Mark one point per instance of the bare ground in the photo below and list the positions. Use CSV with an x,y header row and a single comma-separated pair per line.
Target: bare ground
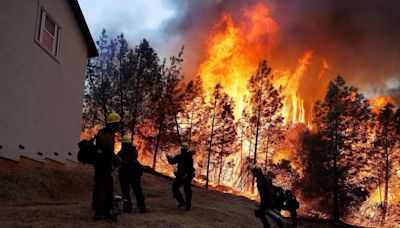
x,y
52,198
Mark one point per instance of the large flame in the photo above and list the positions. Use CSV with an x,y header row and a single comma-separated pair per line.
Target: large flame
x,y
233,52
293,109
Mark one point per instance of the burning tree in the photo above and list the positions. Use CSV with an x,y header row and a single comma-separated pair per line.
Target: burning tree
x,y
193,120
222,125
225,136
341,123
264,119
386,156
165,108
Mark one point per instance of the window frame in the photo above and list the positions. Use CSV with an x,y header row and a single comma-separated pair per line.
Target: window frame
x,y
40,29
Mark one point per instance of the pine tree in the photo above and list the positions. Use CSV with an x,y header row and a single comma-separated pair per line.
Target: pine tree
x,y
265,119
99,87
194,118
341,123
165,105
385,155
225,136
216,96
143,75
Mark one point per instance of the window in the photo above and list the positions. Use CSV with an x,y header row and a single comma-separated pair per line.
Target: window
x,y
48,34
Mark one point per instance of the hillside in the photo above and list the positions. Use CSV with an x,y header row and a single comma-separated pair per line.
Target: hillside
x,y
52,198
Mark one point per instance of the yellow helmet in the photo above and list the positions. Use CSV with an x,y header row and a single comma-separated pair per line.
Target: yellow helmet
x,y
184,146
126,139
113,118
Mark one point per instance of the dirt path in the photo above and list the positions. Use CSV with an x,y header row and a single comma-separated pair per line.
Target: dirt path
x,y
57,204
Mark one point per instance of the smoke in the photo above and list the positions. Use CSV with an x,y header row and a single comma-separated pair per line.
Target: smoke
x,y
194,22
358,38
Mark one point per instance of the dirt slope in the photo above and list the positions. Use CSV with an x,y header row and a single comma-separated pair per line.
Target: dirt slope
x,y
52,198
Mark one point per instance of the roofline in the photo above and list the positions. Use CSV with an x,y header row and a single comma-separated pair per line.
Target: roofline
x,y
92,49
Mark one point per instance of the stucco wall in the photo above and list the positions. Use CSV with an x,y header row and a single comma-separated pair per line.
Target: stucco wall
x,y
40,98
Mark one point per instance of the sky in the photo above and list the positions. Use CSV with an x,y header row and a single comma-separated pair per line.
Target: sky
x,y
137,19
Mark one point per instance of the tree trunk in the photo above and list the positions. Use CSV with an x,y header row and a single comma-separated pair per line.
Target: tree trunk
x,y
387,178
221,165
222,153
121,96
191,125
176,120
210,145
336,214
266,153
257,133
160,128
135,114
335,150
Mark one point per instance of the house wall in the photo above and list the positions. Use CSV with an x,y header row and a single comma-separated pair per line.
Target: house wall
x,y
40,97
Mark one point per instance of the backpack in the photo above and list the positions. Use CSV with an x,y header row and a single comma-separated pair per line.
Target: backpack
x,y
87,151
292,202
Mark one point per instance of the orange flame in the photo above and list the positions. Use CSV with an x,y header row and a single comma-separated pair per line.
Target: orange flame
x,y
377,103
293,109
235,51
233,54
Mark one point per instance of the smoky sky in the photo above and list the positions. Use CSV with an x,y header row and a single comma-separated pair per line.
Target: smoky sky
x,y
359,38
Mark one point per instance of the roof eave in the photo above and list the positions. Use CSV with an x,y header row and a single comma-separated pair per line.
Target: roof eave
x,y
92,49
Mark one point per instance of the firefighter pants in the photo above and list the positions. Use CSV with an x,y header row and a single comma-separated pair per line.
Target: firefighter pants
x,y
187,186
131,180
103,190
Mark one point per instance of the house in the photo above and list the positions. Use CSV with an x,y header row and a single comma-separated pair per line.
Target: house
x,y
44,47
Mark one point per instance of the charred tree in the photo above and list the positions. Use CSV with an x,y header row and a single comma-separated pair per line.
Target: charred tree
x,y
216,96
264,116
225,135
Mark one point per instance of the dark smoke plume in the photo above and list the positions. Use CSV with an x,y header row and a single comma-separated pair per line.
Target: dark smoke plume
x,y
359,38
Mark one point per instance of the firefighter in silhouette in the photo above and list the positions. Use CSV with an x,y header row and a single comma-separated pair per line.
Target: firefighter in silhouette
x,y
279,198
267,196
183,176
130,173
291,204
103,189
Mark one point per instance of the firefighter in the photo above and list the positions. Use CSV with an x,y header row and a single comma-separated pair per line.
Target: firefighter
x,y
130,173
267,195
183,176
279,198
291,204
102,200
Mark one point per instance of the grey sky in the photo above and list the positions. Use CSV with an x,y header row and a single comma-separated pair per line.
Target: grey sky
x,y
137,19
